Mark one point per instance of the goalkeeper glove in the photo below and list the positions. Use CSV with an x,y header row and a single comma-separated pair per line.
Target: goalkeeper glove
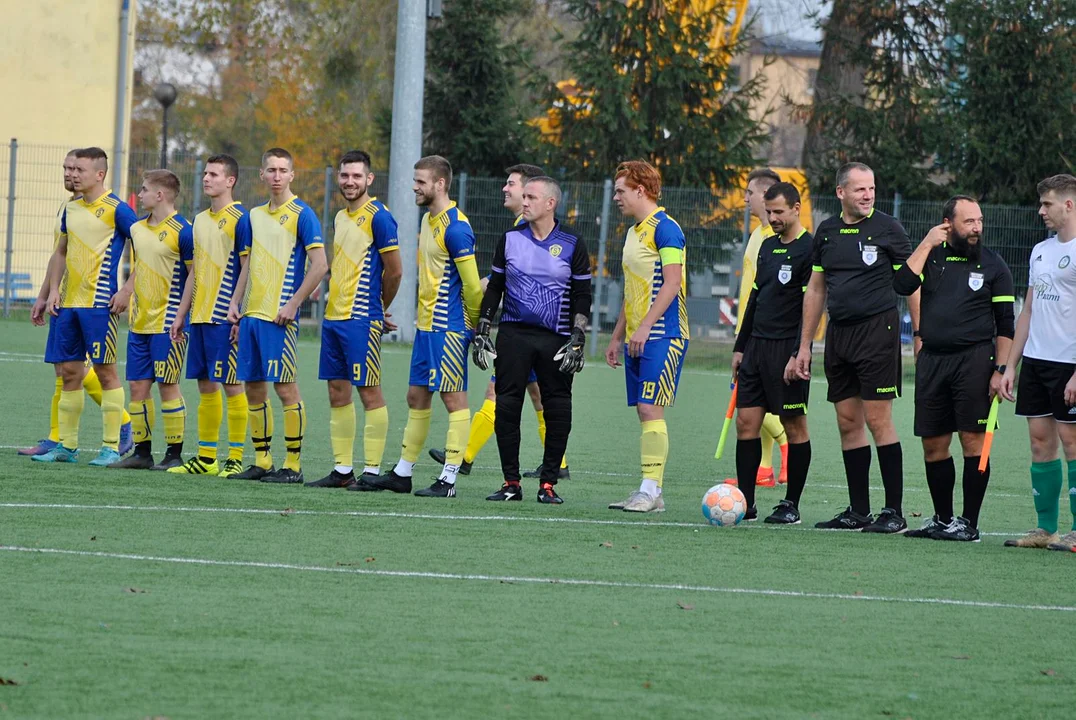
x,y
571,354
482,352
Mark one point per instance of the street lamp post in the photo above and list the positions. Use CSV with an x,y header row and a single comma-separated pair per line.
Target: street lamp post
x,y
165,93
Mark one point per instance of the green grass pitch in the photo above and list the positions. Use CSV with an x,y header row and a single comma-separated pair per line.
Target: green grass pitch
x,y
198,598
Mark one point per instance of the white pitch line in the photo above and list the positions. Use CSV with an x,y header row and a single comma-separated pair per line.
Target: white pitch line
x,y
405,516
765,592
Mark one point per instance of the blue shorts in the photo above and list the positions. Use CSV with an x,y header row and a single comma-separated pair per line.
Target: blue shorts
x,y
78,333
652,378
212,355
439,360
351,350
267,351
155,357
531,378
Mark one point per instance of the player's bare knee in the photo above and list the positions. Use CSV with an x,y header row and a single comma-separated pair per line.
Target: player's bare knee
x,y
231,390
372,398
971,443
748,423
339,393
256,392
205,387
168,391
796,429
454,401
649,413
72,374
288,392
419,398
936,448
107,375
1067,431
140,390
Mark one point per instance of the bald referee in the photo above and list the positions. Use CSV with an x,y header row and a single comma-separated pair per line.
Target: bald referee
x,y
543,275
856,254
966,306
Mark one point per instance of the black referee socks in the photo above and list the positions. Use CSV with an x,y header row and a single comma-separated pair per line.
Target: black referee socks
x,y
891,462
748,458
941,479
799,461
857,470
974,485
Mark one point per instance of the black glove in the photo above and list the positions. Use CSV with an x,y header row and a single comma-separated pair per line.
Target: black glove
x,y
482,351
571,355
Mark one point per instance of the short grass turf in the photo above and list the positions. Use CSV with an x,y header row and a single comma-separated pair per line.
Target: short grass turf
x,y
338,604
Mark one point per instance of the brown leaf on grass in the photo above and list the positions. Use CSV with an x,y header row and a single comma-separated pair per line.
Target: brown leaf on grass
x,y
538,678
370,559
287,512
682,606
646,684
135,591
634,547
1051,672
93,538
962,657
606,544
858,593
6,681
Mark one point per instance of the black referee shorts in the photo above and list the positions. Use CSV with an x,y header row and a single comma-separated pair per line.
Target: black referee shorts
x,y
761,380
863,360
1041,390
952,390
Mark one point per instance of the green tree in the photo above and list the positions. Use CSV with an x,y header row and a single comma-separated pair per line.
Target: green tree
x,y
1011,99
472,78
649,81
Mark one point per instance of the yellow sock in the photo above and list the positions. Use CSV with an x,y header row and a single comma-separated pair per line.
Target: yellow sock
x,y
654,444
294,427
54,412
261,434
92,385
342,433
772,431
238,414
174,415
112,402
481,430
142,420
541,435
210,414
374,436
69,413
415,432
457,436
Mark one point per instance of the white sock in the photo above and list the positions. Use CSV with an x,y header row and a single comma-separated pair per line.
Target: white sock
x,y
371,470
404,468
343,469
449,474
650,487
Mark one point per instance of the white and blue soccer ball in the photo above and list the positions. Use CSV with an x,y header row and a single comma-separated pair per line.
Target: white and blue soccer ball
x,y
724,505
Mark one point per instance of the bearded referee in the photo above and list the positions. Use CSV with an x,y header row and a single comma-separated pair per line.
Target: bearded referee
x,y
966,303
543,275
856,254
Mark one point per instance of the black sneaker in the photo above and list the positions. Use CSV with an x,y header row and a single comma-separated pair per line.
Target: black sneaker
x,y
362,484
888,522
134,462
440,488
931,526
784,513
750,515
391,481
283,476
508,491
439,456
548,496
846,520
960,530
254,473
334,480
562,474
168,463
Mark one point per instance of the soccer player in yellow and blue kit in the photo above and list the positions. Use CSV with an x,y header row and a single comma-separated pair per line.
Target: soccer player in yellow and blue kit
x,y
213,356
449,298
365,276
162,250
275,240
37,317
85,301
653,321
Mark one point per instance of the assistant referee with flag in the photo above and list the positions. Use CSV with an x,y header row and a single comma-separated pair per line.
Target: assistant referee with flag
x,y
966,304
543,275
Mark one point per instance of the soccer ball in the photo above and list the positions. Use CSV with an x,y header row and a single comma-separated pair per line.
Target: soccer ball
x,y
723,505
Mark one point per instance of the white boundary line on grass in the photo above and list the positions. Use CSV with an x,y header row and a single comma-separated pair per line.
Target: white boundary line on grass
x,y
402,516
765,592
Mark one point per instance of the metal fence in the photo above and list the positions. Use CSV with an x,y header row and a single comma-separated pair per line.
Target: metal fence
x,y
33,194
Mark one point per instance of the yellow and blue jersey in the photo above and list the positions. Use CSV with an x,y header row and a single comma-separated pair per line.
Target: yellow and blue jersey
x,y
650,245
95,236
359,240
216,263
442,240
162,255
276,242
750,266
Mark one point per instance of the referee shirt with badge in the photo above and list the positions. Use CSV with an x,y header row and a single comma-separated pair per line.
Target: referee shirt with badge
x,y
964,302
858,261
781,276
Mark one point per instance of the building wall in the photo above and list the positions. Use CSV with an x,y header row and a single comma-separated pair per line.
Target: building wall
x,y
789,76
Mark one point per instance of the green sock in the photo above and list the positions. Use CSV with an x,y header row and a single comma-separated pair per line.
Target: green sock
x,y
1046,487
1072,492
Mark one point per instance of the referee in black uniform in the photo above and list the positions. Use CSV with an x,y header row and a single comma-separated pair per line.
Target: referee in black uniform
x,y
855,257
765,347
543,274
967,304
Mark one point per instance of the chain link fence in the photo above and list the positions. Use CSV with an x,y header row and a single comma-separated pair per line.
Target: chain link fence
x,y
32,193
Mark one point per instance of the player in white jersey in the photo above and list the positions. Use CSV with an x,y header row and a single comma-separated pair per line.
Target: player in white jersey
x,y
1046,342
